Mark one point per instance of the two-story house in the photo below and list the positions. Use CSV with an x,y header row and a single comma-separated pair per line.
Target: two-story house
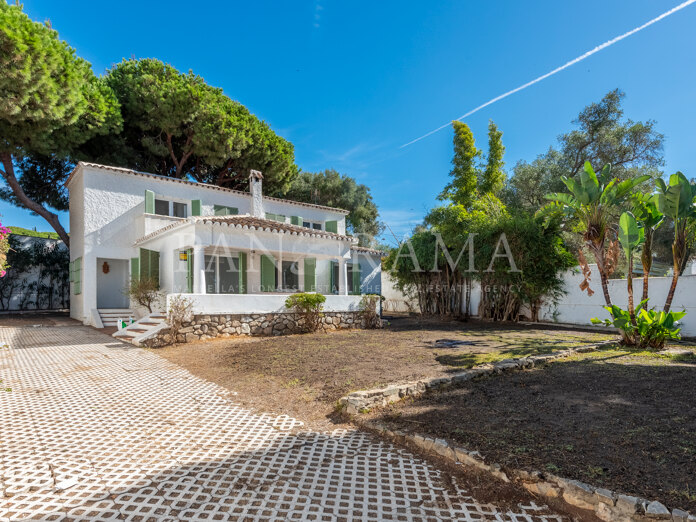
x,y
231,251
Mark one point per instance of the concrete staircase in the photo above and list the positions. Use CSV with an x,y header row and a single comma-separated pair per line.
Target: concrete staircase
x,y
142,329
110,316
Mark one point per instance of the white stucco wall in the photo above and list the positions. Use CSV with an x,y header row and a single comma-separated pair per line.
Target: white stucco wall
x,y
576,307
257,304
107,217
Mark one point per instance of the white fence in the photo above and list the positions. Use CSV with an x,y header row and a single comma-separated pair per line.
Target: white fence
x,y
260,303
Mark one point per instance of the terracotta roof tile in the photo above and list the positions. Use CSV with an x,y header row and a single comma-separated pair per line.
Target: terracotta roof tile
x,y
245,221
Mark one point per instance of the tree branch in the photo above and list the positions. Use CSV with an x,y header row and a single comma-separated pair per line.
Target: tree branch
x,y
9,176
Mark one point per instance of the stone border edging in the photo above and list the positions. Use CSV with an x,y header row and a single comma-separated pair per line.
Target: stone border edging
x,y
357,402
605,504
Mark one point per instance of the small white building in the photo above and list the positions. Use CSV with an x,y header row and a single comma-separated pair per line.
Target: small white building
x,y
232,252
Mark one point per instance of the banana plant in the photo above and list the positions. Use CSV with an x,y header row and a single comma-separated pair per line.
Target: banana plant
x,y
591,201
646,212
676,201
631,236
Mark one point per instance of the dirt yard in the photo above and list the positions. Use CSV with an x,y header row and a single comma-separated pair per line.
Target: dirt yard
x,y
304,375
624,421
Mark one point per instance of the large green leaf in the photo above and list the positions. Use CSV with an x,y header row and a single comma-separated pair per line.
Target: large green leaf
x,y
631,236
676,199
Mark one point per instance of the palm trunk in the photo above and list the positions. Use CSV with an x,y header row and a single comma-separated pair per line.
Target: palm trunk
x,y
678,252
629,282
646,259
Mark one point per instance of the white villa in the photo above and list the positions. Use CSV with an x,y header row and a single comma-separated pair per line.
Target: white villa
x,y
232,252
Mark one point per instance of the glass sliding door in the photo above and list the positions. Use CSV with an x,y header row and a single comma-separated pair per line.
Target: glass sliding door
x,y
221,275
228,270
291,276
211,275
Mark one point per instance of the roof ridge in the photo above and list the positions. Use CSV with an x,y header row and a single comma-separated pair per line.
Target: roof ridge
x,y
125,170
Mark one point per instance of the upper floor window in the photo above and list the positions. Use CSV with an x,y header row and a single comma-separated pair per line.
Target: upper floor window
x,y
310,224
164,207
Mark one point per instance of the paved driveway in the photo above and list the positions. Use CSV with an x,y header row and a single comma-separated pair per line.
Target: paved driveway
x,y
94,429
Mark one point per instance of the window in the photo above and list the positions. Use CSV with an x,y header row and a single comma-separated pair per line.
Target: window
x,y
162,207
228,268
179,209
211,275
221,275
309,224
221,210
291,276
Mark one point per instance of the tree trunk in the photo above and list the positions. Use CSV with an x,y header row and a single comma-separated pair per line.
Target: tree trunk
x,y
678,252
8,175
646,259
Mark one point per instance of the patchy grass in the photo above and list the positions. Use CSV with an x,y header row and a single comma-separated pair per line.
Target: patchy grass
x,y
615,418
307,373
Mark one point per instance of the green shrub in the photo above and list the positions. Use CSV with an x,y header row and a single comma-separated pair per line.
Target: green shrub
x,y
309,306
651,328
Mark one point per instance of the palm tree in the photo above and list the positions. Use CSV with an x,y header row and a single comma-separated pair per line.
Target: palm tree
x,y
676,201
591,202
647,213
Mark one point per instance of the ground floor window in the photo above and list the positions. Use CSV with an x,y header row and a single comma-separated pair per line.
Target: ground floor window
x,y
221,274
290,276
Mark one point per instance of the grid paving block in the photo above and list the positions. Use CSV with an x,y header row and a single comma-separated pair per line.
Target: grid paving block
x,y
98,430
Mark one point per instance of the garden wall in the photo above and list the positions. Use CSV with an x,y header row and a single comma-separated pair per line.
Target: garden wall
x,y
576,307
204,327
37,277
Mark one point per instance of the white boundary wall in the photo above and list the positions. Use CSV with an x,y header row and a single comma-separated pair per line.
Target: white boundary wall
x,y
576,307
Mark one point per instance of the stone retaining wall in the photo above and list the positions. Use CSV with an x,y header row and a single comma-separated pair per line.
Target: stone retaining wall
x,y
279,323
603,503
360,401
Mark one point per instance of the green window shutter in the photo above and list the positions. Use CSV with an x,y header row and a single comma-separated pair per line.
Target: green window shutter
x,y
189,271
268,274
149,202
310,274
296,220
195,207
154,266
71,267
280,217
331,226
242,273
356,279
135,268
77,278
332,279
270,216
144,264
149,264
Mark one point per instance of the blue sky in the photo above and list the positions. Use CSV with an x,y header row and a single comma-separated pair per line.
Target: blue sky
x,y
349,82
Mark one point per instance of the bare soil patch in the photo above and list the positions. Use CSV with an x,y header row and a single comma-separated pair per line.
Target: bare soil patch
x,y
304,375
624,421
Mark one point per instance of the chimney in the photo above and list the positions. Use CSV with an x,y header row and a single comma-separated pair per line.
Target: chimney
x,y
255,184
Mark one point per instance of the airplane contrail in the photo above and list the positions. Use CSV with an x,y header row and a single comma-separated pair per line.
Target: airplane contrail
x,y
558,69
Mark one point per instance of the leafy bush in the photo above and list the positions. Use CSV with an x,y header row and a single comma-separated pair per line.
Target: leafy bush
x,y
145,292
309,306
649,328
368,310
